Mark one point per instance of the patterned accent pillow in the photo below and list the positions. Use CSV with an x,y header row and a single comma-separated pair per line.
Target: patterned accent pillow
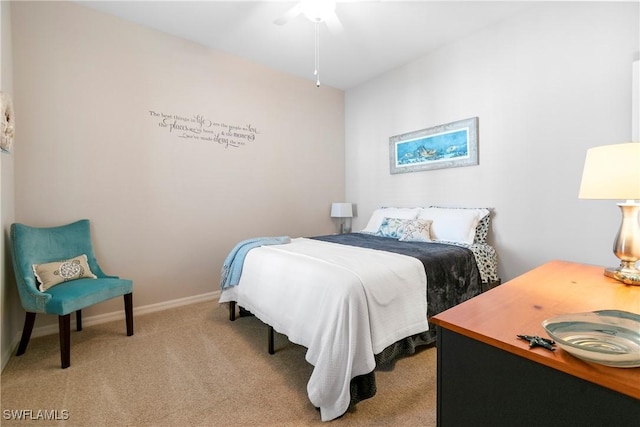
x,y
389,212
482,229
54,273
417,230
392,227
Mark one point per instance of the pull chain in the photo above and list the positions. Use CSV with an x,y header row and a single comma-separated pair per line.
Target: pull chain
x,y
317,53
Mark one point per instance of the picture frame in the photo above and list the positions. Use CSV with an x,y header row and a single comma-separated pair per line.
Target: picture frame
x,y
449,145
7,123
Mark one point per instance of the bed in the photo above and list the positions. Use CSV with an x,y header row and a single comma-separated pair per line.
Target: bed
x,y
360,300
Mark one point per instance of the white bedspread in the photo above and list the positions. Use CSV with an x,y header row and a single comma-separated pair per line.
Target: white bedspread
x,y
343,303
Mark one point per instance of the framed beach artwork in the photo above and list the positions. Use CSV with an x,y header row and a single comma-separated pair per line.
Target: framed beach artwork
x,y
445,146
7,123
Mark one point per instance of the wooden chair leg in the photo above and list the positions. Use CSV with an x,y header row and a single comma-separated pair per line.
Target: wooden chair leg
x,y
271,346
64,325
78,320
29,320
128,312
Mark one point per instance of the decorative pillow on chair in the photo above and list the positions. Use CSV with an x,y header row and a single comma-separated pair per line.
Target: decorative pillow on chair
x,y
417,230
54,273
392,227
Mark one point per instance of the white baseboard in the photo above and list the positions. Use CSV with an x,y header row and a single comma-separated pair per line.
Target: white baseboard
x,y
108,317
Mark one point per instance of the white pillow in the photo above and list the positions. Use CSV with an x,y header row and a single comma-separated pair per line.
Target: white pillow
x,y
379,214
453,225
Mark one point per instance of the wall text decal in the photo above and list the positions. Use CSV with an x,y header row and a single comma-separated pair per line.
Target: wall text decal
x,y
199,128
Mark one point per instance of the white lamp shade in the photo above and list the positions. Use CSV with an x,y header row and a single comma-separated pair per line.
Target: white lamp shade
x,y
612,172
341,210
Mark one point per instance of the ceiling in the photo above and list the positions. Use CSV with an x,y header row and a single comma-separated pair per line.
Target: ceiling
x,y
376,36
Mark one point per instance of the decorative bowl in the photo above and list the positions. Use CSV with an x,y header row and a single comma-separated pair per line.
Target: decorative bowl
x,y
607,337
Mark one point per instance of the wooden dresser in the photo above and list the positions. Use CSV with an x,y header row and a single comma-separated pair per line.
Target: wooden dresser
x,y
489,377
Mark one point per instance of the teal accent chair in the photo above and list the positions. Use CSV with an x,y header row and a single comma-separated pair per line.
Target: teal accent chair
x,y
33,245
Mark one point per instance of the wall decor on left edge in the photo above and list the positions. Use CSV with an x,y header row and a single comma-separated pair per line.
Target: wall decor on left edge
x,y
7,123
449,145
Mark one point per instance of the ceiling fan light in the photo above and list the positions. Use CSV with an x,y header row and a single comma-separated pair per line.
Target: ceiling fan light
x,y
318,10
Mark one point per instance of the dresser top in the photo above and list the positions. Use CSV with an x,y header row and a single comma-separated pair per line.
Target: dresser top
x,y
519,306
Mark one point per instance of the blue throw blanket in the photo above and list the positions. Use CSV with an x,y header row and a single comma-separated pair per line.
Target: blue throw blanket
x,y
232,267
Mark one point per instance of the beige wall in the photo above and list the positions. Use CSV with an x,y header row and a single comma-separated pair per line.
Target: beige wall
x,y
165,209
546,85
9,317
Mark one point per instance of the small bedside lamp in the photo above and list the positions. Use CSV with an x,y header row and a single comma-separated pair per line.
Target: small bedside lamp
x,y
342,211
613,172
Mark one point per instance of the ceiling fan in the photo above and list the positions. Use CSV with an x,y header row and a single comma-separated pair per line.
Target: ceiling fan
x,y
317,11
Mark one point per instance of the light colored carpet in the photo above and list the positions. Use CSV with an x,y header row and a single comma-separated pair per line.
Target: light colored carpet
x,y
191,366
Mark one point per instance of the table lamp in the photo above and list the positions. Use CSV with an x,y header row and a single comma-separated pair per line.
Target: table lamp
x,y
613,172
342,211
